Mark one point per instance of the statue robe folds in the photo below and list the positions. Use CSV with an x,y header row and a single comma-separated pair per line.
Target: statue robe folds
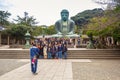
x,y
64,28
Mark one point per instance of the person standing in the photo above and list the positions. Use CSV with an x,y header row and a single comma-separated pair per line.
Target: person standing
x,y
45,52
49,51
41,51
34,51
60,50
53,51
65,51
56,50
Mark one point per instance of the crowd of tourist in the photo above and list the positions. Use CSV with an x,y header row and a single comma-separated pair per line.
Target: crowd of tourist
x,y
52,48
49,48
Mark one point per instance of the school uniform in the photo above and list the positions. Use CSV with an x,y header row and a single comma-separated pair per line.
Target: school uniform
x,y
49,53
56,51
53,52
60,52
34,51
65,52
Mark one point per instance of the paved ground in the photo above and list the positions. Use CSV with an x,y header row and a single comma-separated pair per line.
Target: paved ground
x,y
7,65
97,70
72,69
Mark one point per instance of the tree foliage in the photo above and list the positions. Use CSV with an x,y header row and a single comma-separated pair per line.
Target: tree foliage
x,y
107,25
51,30
40,30
37,31
18,31
4,15
83,18
26,20
111,4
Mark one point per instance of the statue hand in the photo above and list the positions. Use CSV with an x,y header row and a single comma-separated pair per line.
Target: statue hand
x,y
70,33
59,33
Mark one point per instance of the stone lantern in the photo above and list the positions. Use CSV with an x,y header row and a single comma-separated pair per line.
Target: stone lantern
x,y
27,38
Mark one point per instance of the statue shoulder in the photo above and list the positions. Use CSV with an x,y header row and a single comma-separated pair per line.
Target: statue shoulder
x,y
58,21
71,21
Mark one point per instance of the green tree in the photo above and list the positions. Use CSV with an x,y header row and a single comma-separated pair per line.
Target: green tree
x,y
46,31
37,31
18,31
107,25
111,4
4,15
26,20
83,18
51,30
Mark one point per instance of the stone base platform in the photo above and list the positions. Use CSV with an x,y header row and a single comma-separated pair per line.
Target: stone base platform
x,y
73,53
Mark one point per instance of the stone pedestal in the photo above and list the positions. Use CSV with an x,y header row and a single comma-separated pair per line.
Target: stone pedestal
x,y
68,36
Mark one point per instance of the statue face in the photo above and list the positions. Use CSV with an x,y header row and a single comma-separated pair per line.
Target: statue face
x,y
64,15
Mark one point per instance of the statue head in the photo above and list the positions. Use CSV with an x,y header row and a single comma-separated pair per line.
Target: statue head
x,y
64,14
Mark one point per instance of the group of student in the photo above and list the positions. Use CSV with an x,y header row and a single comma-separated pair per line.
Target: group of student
x,y
47,49
55,50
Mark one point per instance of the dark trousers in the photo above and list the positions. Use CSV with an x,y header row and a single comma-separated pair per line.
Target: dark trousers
x,y
60,54
34,66
65,55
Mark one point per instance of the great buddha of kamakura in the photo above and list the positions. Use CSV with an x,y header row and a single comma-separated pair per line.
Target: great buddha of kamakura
x,y
65,26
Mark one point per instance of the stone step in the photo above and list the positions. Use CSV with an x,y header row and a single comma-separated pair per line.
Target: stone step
x,y
14,57
93,53
83,51
72,53
93,57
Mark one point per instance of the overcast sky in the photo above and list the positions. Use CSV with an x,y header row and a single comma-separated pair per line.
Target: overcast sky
x,y
47,12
